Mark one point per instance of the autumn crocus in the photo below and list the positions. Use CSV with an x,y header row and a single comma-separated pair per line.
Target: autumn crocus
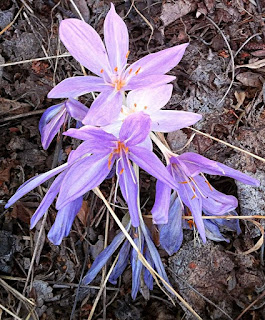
x,y
195,191
144,242
109,63
54,117
106,149
64,217
150,101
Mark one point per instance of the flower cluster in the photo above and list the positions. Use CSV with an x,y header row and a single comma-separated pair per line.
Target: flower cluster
x,y
117,131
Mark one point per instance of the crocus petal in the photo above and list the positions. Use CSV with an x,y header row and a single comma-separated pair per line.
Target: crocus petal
x,y
121,263
105,109
116,39
135,128
150,81
149,100
51,128
172,120
237,175
47,200
103,257
171,233
33,183
77,86
64,220
228,224
85,45
149,162
148,278
89,133
162,202
83,176
160,62
146,144
136,268
76,109
129,188
48,114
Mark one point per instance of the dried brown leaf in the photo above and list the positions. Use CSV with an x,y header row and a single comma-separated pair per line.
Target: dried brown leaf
x,y
173,11
249,79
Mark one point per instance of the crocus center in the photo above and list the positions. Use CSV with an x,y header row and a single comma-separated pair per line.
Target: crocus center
x,y
120,146
118,84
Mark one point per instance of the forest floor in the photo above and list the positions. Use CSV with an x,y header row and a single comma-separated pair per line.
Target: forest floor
x,y
221,77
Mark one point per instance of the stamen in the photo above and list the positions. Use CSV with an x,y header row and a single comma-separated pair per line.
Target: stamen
x,y
130,71
209,185
137,71
101,71
121,172
183,182
135,105
127,54
145,107
116,69
126,150
193,197
109,160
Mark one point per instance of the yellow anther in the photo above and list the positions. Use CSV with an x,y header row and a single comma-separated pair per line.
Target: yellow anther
x,y
209,185
116,69
145,107
135,105
101,71
183,182
121,172
193,197
130,71
127,54
137,71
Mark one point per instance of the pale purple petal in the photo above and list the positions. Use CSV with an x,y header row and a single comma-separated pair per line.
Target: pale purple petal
x,y
135,128
103,257
213,232
147,144
89,133
116,39
76,109
121,263
160,62
162,202
64,220
83,176
226,224
85,45
105,109
172,120
47,200
149,162
129,188
152,81
136,267
49,130
50,113
149,100
171,233
33,183
148,278
77,86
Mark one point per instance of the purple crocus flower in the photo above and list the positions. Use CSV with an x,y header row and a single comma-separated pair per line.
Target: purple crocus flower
x,y
109,63
150,101
194,189
146,246
65,216
54,117
171,233
90,171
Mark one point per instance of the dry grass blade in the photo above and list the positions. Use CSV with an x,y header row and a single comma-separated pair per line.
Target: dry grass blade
x,y
11,23
141,257
250,306
9,312
255,65
103,285
77,10
228,144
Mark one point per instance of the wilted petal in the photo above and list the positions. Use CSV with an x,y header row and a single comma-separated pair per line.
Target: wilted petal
x,y
149,100
160,62
103,257
105,109
171,234
83,176
50,113
150,81
135,128
76,109
33,183
172,120
64,220
121,263
52,127
85,45
148,278
228,224
77,86
129,188
116,39
149,162
162,202
47,200
213,232
136,268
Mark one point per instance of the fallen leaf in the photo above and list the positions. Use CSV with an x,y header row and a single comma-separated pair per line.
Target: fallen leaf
x,y
240,97
173,11
83,213
250,79
254,65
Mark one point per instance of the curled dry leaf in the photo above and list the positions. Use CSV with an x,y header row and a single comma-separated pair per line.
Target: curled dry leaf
x,y
254,65
250,79
240,97
261,240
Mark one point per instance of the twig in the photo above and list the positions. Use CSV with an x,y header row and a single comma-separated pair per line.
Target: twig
x,y
31,113
11,23
250,306
231,61
77,10
9,312
229,145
